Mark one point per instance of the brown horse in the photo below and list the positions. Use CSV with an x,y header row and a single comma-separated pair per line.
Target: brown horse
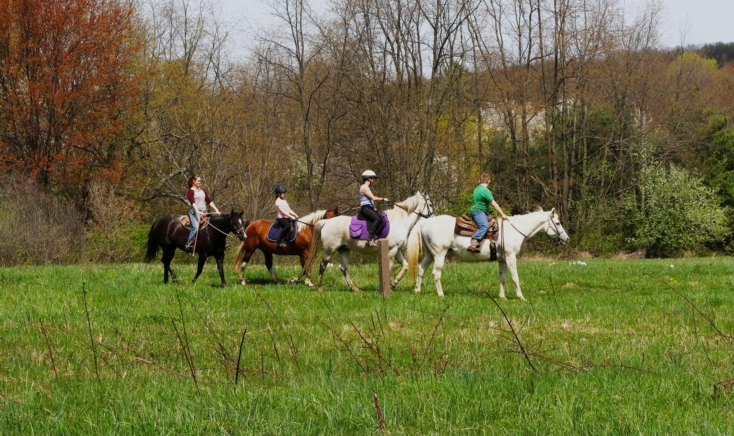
x,y
257,232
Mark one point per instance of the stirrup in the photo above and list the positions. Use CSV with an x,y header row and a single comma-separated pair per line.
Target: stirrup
x,y
371,243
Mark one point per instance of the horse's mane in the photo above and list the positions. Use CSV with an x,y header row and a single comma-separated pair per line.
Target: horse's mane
x,y
310,219
537,210
407,205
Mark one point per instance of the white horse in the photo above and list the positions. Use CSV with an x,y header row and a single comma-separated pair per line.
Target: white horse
x,y
334,234
437,235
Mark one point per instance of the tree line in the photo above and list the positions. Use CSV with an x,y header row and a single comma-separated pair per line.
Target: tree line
x,y
108,106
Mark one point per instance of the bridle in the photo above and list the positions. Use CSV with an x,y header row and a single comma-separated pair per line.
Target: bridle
x,y
557,237
426,204
239,232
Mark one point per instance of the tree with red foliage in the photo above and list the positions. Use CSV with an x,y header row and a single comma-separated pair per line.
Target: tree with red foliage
x,y
67,78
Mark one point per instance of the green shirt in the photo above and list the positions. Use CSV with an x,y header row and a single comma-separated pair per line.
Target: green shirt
x,y
482,199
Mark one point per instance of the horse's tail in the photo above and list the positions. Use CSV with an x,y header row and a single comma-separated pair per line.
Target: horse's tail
x,y
313,248
415,246
240,251
152,245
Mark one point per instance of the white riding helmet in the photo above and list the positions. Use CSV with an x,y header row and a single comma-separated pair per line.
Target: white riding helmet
x,y
368,174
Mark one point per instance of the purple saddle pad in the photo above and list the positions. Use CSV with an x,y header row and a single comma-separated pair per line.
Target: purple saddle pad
x,y
358,228
274,232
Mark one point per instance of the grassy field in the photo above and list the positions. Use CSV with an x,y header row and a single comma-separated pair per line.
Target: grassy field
x,y
609,347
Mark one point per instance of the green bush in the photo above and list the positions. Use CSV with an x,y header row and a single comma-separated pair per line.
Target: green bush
x,y
672,211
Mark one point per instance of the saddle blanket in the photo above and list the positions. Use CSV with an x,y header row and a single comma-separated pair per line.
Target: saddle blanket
x,y
274,232
358,228
184,220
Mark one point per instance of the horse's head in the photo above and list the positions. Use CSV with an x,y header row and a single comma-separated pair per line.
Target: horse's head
x,y
331,213
236,224
418,204
554,229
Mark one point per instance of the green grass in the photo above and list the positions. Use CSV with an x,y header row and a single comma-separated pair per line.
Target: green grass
x,y
611,347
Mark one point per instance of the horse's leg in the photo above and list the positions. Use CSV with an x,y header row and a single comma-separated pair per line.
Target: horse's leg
x,y
422,267
512,265
322,267
243,265
269,265
437,268
166,260
220,267
301,256
503,277
345,269
200,266
400,258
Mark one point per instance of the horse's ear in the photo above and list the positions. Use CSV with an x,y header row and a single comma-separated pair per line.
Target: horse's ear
x,y
553,210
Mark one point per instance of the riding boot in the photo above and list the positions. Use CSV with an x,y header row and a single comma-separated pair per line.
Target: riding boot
x,y
283,244
371,241
492,251
474,246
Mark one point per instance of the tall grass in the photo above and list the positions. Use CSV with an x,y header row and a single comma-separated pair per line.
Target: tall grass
x,y
610,347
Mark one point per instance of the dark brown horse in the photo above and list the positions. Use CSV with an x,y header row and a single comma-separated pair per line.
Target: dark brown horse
x,y
257,232
169,234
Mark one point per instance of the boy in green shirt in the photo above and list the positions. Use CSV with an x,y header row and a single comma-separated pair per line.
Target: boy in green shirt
x,y
482,199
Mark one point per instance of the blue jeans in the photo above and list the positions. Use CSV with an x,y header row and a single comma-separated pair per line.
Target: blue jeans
x,y
480,217
194,218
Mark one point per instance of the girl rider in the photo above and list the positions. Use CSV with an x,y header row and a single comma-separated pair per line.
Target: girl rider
x,y
367,207
285,215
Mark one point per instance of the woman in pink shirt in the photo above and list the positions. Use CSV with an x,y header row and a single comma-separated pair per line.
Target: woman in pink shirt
x,y
285,215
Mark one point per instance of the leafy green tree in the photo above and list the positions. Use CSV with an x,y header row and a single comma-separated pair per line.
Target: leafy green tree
x,y
672,211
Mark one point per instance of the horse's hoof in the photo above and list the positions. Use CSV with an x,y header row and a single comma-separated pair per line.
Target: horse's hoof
x,y
393,285
308,283
293,280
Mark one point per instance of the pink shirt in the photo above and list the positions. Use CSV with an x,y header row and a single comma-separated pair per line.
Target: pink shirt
x,y
284,211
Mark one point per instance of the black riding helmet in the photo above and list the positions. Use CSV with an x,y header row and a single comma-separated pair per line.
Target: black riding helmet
x,y
280,189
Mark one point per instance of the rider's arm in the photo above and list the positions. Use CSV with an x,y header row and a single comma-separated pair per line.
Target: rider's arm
x,y
498,209
209,202
368,192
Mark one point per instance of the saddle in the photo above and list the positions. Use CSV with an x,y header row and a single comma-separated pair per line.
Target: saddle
x,y
358,227
274,232
186,222
466,226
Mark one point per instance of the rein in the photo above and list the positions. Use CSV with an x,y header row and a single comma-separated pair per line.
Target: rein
x,y
420,214
220,231
556,240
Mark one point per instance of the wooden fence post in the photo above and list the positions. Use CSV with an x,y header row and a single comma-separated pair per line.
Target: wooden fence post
x,y
383,250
